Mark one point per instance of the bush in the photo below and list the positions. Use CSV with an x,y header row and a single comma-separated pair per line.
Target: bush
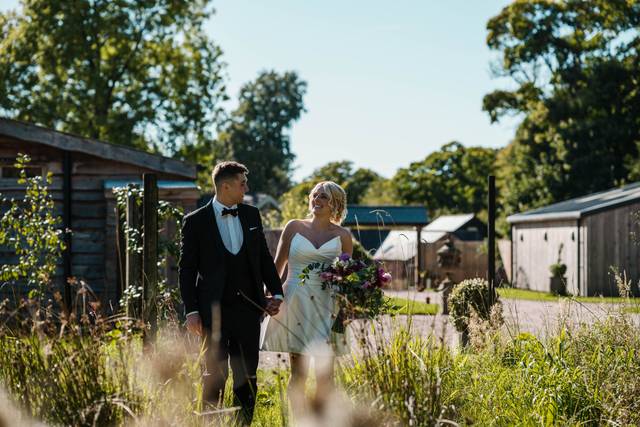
x,y
468,295
30,228
558,269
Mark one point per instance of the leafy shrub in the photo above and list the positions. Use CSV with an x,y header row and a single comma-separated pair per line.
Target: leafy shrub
x,y
468,295
31,229
558,269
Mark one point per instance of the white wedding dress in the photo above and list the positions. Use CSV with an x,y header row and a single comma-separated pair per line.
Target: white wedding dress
x,y
304,322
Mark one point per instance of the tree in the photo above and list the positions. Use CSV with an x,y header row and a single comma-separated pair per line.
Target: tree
x,y
138,73
381,192
451,180
576,67
355,183
255,134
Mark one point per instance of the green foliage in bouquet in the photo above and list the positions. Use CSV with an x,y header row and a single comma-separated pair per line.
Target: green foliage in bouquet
x,y
468,295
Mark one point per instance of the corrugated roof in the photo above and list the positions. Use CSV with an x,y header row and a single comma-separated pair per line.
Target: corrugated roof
x,y
581,206
449,223
386,215
401,245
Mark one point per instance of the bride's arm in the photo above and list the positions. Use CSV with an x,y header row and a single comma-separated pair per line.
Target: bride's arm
x,y
347,242
282,253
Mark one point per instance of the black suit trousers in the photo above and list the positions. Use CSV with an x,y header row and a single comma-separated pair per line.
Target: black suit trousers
x,y
236,345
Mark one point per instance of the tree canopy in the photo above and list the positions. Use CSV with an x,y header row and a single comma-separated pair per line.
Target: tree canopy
x,y
256,133
453,179
576,66
138,73
354,182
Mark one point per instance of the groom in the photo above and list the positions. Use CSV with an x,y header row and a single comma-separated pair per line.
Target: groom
x,y
224,263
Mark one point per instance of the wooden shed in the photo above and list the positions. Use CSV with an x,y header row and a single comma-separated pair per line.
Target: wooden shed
x,y
85,171
465,231
589,234
372,220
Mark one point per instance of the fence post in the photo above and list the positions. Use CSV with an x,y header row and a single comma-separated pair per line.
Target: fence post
x,y
133,262
491,231
150,253
121,246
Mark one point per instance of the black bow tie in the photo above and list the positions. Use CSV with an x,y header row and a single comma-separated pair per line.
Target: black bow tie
x,y
226,211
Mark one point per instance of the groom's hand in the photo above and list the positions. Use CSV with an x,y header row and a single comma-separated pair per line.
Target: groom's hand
x,y
273,306
194,324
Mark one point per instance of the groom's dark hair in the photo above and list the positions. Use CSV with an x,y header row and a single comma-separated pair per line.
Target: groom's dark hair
x,y
227,170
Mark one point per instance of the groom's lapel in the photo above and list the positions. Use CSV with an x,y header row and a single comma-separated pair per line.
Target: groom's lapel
x,y
212,229
244,221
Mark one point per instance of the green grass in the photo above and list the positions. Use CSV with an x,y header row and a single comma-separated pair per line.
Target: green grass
x,y
412,307
526,294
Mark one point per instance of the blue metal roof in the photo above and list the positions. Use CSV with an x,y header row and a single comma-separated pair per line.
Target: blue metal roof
x,y
113,183
386,216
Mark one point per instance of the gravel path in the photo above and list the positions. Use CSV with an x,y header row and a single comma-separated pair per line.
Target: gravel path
x,y
540,318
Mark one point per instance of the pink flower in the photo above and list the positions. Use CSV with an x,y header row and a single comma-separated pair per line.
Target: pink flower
x,y
326,276
386,277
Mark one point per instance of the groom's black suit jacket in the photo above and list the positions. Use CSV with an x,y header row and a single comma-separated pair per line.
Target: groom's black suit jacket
x,y
202,259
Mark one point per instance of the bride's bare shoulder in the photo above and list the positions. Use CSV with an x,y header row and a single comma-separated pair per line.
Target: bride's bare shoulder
x,y
343,232
291,227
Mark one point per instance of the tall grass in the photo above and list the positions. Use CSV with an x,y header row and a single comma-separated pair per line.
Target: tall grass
x,y
94,374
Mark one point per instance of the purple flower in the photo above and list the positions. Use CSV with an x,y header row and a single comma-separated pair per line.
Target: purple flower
x,y
366,285
386,277
345,257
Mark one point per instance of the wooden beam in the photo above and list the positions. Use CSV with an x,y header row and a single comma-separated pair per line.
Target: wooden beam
x,y
121,245
67,166
63,141
150,253
491,230
133,260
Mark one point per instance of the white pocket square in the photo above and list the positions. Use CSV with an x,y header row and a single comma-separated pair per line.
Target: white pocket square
x,y
253,228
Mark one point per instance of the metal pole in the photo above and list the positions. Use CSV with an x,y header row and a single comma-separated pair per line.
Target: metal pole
x,y
491,264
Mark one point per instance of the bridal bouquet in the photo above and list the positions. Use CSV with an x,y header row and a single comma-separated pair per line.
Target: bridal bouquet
x,y
356,285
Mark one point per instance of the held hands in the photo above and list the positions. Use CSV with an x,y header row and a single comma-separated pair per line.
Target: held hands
x,y
273,306
194,324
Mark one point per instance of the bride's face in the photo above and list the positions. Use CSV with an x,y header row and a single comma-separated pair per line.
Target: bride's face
x,y
319,203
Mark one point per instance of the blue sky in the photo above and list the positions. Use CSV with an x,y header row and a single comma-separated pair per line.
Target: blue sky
x,y
388,82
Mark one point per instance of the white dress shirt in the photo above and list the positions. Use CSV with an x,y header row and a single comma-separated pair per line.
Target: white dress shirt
x,y
229,226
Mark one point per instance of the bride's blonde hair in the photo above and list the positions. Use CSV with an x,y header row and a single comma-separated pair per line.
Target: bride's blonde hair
x,y
337,200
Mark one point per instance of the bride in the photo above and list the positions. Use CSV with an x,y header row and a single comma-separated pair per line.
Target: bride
x,y
302,328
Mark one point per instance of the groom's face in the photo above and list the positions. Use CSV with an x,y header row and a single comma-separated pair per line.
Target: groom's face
x,y
236,188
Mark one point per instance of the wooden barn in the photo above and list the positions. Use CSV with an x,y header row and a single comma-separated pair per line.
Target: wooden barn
x,y
589,234
465,231
85,171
